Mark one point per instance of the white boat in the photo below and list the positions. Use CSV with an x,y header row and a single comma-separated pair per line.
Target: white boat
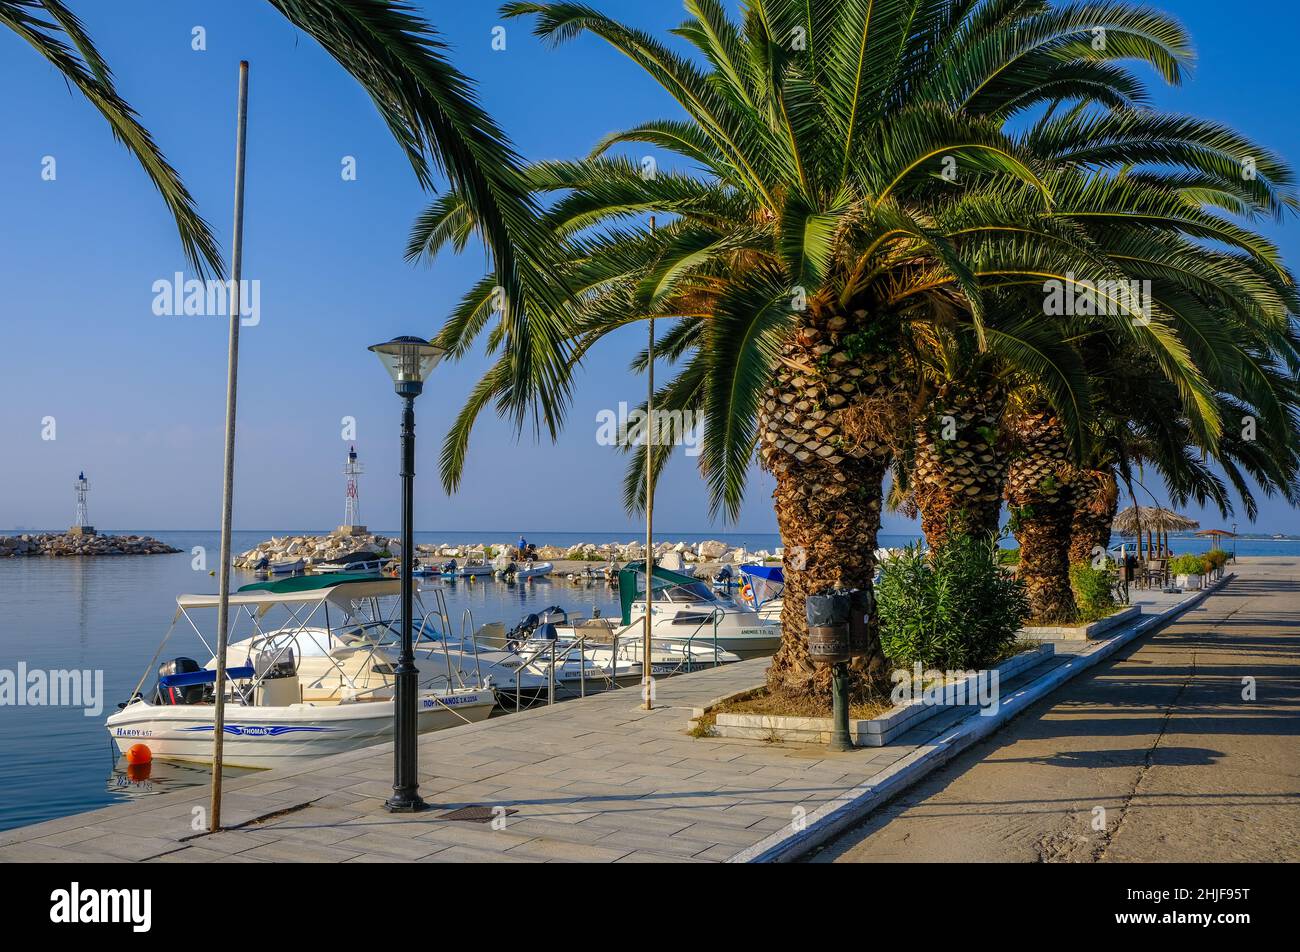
x,y
533,569
610,653
686,614
513,571
473,568
299,689
287,567
353,562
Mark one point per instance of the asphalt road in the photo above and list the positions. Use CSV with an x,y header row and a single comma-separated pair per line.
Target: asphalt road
x,y
1153,756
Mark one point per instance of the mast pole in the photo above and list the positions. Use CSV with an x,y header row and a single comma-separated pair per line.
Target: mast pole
x,y
227,492
647,670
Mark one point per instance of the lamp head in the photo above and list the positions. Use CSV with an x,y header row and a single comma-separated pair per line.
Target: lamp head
x,y
409,361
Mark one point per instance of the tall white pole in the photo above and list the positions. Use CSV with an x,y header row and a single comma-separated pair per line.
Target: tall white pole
x,y
227,492
646,667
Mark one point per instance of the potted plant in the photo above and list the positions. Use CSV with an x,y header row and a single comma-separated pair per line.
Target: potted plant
x,y
1187,571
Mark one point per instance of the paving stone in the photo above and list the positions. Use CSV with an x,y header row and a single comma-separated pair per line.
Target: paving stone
x,y
549,849
287,851
391,846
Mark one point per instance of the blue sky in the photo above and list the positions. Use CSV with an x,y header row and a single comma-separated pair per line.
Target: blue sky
x,y
138,398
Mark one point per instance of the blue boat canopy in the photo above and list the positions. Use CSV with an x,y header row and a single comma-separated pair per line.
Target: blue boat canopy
x,y
206,676
770,573
761,584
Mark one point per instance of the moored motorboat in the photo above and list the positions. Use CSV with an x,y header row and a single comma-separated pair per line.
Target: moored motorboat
x,y
295,690
353,562
686,613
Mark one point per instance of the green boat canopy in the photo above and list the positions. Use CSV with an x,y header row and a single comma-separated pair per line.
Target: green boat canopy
x,y
307,583
629,585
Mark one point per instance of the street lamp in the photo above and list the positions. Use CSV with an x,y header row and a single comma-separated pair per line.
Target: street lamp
x,y
408,360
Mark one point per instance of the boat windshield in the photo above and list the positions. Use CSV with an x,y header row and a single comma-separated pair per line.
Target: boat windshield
x,y
682,594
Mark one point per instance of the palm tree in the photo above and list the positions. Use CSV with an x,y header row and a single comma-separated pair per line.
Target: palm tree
x,y
1138,425
399,59
810,261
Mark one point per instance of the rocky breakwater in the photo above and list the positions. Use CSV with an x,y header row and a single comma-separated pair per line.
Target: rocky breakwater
x,y
313,549
316,548
710,552
60,545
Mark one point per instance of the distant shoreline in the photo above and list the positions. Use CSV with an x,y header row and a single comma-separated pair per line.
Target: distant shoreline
x,y
631,534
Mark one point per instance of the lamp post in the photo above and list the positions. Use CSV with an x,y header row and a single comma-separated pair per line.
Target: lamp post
x,y
408,360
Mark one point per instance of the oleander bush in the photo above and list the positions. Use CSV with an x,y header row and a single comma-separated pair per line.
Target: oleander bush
x,y
1094,590
952,608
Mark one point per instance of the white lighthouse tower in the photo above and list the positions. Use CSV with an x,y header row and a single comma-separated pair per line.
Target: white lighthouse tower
x,y
352,502
82,526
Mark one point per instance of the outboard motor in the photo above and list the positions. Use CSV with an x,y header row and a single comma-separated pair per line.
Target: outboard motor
x,y
449,566
188,694
723,578
521,632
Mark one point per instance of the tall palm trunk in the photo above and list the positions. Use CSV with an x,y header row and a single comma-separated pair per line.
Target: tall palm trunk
x,y
1094,514
960,471
829,453
1041,487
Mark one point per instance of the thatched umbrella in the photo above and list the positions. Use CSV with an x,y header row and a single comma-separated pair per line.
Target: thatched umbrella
x,y
1136,520
1218,535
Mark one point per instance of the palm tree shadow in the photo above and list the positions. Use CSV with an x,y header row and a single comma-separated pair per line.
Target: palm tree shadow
x,y
1131,757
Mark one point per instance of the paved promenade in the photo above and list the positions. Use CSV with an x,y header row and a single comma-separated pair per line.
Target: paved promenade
x,y
596,779
1155,756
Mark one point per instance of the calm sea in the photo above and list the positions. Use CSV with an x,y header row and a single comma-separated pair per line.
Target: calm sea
x,y
109,615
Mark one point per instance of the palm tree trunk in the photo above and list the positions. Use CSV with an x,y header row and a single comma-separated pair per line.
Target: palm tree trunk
x,y
1041,487
825,425
829,532
960,471
1094,514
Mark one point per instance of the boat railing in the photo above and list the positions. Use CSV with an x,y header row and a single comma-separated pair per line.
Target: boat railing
x,y
453,674
714,619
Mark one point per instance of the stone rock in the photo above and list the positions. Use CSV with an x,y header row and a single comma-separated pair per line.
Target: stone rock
x,y
711,549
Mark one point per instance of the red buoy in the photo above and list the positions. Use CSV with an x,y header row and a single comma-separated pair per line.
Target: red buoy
x,y
139,754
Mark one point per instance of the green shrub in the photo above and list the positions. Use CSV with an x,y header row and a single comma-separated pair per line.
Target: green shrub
x,y
952,608
1216,558
1187,565
1009,556
1093,590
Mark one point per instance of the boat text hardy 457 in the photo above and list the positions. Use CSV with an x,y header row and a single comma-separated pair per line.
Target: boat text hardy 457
x,y
313,675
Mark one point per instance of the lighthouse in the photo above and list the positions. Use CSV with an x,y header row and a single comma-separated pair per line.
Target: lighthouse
x,y
82,526
351,502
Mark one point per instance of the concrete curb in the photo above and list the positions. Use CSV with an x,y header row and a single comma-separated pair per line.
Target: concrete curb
x,y
787,844
867,732
1081,633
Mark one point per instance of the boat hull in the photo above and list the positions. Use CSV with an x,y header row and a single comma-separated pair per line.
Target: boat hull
x,y
273,736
